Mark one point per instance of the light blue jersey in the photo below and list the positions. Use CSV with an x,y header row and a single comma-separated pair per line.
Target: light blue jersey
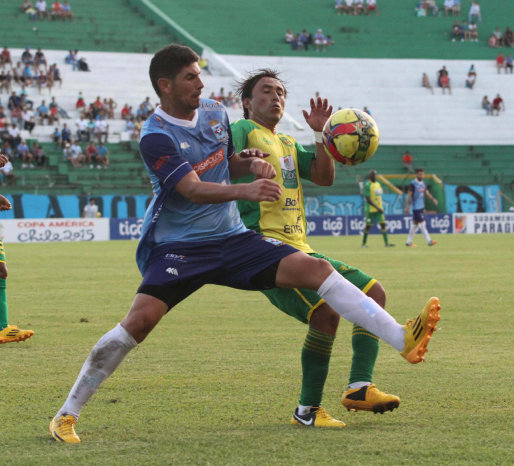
x,y
172,148
418,189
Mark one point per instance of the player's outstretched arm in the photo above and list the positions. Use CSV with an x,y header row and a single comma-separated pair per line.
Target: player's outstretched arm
x,y
204,192
250,161
322,168
319,113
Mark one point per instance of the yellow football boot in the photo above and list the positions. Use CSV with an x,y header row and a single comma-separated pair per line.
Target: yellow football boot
x,y
317,417
369,398
12,333
418,332
62,429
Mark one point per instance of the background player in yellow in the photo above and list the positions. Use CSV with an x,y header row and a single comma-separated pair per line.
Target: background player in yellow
x,y
263,96
374,209
8,333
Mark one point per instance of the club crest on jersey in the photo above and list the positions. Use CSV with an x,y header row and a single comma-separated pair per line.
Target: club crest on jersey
x,y
286,140
218,130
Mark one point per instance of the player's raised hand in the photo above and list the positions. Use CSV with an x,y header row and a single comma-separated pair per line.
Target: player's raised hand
x,y
262,169
320,111
263,190
4,203
3,160
252,152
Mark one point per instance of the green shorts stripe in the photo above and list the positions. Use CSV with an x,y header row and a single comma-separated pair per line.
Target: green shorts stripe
x,y
300,303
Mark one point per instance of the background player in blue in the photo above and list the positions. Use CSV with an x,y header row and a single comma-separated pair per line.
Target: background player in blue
x,y
417,191
193,235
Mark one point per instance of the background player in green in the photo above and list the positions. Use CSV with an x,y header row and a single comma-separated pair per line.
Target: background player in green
x,y
374,209
263,96
8,333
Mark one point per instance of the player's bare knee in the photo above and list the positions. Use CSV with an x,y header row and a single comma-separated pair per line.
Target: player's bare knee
x,y
325,319
377,293
139,324
324,267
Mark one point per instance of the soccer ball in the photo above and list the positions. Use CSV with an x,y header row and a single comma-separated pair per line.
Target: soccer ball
x,y
350,136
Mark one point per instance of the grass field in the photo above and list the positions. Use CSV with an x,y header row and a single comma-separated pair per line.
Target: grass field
x,y
218,379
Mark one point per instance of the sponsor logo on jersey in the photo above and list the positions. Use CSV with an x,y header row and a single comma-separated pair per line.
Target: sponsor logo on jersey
x,y
172,271
177,257
211,106
209,162
218,130
184,145
297,228
288,170
267,141
161,161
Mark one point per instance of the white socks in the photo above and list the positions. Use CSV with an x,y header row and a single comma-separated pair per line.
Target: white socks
x,y
303,410
104,358
353,305
422,227
358,385
424,230
412,231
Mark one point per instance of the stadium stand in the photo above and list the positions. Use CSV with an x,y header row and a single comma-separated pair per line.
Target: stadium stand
x,y
438,129
98,25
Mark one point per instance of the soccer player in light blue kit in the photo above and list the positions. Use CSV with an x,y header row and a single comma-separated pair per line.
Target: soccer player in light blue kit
x,y
417,191
193,235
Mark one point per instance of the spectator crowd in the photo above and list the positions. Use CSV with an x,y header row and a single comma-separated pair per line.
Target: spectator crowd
x,y
40,10
305,40
356,7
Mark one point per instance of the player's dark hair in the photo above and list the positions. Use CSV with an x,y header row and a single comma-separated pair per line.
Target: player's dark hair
x,y
245,88
466,189
169,61
419,170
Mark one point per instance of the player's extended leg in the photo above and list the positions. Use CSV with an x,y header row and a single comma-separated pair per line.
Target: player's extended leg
x,y
316,353
423,228
353,305
105,357
8,333
412,232
365,235
383,230
361,394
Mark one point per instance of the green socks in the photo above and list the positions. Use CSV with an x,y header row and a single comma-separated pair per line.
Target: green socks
x,y
364,237
316,352
3,303
365,352
384,234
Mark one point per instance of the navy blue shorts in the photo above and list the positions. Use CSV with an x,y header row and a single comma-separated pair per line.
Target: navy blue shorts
x,y
419,215
248,261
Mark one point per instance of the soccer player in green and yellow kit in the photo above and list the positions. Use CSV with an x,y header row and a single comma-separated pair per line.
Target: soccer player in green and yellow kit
x,y
8,333
263,96
374,208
